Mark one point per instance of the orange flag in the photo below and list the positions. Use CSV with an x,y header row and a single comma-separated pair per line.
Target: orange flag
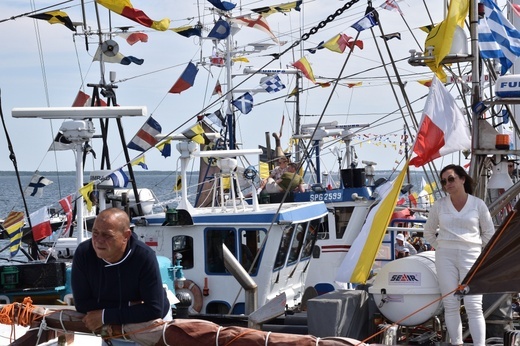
x,y
304,66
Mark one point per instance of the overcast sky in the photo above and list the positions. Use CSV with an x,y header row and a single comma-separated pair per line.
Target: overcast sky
x,y
45,65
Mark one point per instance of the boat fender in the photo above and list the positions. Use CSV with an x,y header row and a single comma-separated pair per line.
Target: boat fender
x,y
194,291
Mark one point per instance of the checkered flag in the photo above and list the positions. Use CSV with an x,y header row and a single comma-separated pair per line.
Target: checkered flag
x,y
273,84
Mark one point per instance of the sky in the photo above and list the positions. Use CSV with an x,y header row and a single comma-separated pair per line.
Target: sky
x,y
45,65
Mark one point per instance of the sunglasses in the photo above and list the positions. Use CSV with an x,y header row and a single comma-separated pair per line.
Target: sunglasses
x,y
451,179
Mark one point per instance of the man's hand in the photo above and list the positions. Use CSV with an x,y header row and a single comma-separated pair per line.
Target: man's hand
x,y
93,320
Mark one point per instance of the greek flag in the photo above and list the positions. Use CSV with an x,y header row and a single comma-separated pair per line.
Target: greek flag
x,y
244,103
273,84
119,178
497,37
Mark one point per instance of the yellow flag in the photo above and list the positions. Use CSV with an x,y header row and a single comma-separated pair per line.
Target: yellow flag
x,y
441,36
197,134
178,183
240,59
358,261
12,225
85,191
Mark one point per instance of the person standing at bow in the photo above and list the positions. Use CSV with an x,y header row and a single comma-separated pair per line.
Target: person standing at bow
x,y
459,225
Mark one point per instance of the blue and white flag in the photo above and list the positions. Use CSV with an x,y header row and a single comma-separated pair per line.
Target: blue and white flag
x,y
273,84
368,21
244,103
221,30
497,37
119,178
36,185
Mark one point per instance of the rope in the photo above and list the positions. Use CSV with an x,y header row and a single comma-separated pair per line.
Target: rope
x,y
217,335
164,334
267,338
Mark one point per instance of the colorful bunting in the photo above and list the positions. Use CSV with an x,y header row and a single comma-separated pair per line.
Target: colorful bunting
x,y
304,66
86,191
391,36
66,205
55,17
222,5
13,226
273,84
41,224
118,58
145,137
186,80
221,30
125,8
119,178
197,134
368,21
282,8
36,185
188,31
259,23
391,5
244,103
141,162
217,90
133,37
165,148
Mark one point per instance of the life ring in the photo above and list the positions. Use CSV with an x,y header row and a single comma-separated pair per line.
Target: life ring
x,y
194,291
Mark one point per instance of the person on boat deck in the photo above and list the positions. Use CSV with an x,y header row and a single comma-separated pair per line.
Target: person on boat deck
x,y
290,180
401,244
115,277
459,225
277,172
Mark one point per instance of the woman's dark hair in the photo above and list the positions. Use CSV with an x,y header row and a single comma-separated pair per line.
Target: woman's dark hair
x,y
461,172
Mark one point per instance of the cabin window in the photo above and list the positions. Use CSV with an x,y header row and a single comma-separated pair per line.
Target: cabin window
x,y
214,238
283,249
183,245
297,242
310,237
343,216
250,245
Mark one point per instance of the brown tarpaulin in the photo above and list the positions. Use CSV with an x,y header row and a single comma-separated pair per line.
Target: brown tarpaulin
x,y
497,270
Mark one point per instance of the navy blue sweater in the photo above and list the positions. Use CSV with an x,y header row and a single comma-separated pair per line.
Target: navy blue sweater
x,y
98,285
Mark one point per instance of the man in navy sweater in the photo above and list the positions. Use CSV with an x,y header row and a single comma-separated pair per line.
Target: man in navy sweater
x,y
115,277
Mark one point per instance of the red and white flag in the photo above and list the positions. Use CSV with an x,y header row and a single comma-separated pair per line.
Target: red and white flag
x,y
41,225
259,23
66,205
443,129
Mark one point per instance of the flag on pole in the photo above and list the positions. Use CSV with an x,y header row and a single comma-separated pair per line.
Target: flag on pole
x,y
66,205
443,128
41,224
133,37
244,103
125,9
388,37
36,185
217,118
358,261
273,84
304,66
259,23
13,226
188,31
119,178
165,148
282,8
186,80
497,37
118,58
368,21
441,36
338,43
221,30
145,137
218,89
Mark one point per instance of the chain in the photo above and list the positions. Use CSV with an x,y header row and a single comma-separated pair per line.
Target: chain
x,y
323,23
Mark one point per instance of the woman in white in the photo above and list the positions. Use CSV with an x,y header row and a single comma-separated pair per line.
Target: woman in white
x,y
458,226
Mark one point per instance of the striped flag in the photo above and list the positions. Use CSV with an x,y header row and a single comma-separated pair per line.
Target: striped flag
x,y
145,137
119,178
197,134
186,80
125,9
41,224
497,37
358,261
55,17
304,66
13,226
66,205
368,21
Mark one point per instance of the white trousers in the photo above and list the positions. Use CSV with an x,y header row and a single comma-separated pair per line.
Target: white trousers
x,y
452,266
